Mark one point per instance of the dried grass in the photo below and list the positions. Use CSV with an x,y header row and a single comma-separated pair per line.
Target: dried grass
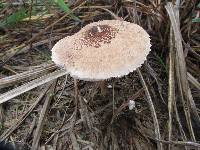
x,y
59,115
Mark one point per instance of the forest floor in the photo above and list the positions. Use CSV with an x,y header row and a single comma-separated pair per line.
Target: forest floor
x,y
165,90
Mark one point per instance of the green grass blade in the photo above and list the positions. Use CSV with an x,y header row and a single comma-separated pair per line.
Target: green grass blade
x,y
14,18
64,7
198,5
1,5
196,20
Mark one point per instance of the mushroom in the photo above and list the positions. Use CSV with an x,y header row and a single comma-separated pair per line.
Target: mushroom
x,y
102,50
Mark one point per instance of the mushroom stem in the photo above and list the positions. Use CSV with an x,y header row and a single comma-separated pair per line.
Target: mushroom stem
x,y
102,85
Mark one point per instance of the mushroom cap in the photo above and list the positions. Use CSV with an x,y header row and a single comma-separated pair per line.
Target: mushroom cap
x,y
104,49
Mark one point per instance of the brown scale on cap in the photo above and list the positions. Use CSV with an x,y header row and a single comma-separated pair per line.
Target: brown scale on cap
x,y
98,34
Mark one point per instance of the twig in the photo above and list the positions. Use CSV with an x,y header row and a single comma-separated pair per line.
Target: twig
x,y
55,140
73,120
158,82
67,127
112,14
187,143
42,42
30,85
125,104
30,109
153,112
26,74
181,66
43,114
193,81
85,114
14,50
74,141
182,132
30,131
113,98
171,89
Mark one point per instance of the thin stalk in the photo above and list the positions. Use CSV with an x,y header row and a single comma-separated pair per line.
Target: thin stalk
x,y
152,109
171,90
31,85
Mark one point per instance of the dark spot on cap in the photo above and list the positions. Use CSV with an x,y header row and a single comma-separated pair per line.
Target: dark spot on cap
x,y
99,34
